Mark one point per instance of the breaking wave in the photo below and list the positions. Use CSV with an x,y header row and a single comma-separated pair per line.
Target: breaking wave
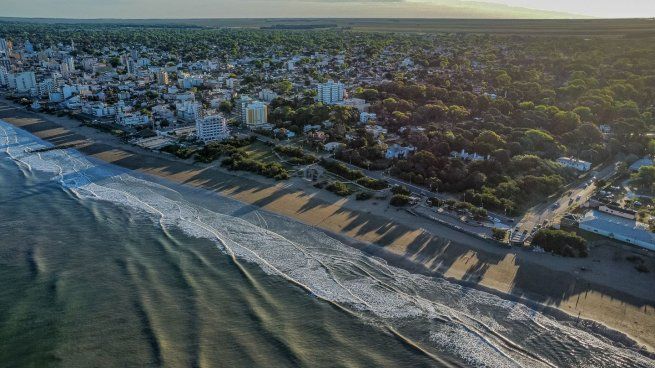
x,y
436,317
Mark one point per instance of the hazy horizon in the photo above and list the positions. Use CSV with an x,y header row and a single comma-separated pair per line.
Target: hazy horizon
x,y
170,9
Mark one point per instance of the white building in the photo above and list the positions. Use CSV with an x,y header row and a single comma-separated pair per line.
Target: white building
x,y
267,95
574,163
242,104
55,97
646,161
619,228
618,211
376,130
333,146
308,128
188,110
4,76
330,92
69,61
365,117
99,110
132,119
5,46
190,81
256,113
212,128
468,156
76,89
46,86
230,82
28,46
398,151
25,82
360,104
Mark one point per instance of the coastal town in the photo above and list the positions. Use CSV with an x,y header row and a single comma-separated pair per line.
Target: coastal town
x,y
435,132
309,192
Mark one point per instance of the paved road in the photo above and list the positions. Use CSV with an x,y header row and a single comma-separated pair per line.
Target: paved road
x,y
552,211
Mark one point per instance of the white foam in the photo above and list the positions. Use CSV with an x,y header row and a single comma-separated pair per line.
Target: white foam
x,y
328,268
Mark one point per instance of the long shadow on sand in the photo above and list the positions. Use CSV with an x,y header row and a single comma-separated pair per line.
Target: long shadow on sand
x,y
426,252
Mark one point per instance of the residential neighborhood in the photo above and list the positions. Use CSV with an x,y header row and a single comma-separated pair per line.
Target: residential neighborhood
x,y
326,109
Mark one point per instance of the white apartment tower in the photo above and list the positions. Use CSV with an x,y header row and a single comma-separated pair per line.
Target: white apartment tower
x,y
25,82
212,128
242,104
189,111
330,92
5,46
128,63
4,76
70,63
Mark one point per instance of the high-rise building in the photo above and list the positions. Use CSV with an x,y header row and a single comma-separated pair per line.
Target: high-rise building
x,y
65,68
5,62
128,63
4,76
5,46
28,46
330,92
256,113
25,83
242,104
70,62
189,111
267,95
46,86
162,77
212,128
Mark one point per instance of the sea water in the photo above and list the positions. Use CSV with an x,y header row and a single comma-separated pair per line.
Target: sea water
x,y
100,266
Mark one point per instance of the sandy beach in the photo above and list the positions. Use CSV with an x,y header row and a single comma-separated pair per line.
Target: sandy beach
x,y
604,287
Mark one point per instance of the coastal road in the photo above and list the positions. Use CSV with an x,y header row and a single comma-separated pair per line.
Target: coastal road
x,y
548,213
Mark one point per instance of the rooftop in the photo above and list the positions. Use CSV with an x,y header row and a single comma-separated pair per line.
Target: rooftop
x,y
618,226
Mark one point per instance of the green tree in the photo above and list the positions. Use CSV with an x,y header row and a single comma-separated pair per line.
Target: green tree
x,y
645,178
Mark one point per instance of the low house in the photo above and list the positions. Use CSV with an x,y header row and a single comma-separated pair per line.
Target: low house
x,y
99,109
376,130
398,151
468,156
646,161
574,163
365,117
333,146
132,119
283,132
309,128
619,228
618,211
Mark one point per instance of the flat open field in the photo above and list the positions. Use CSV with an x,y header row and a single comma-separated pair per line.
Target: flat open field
x,y
581,27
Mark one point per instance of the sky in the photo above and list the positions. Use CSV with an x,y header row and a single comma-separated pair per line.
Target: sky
x,y
594,8
327,8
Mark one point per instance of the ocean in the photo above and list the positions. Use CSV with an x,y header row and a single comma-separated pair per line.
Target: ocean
x,y
101,266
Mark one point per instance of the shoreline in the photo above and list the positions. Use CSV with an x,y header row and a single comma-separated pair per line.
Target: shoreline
x,y
544,282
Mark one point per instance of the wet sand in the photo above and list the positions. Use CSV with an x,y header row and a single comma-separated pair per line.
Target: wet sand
x,y
609,290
